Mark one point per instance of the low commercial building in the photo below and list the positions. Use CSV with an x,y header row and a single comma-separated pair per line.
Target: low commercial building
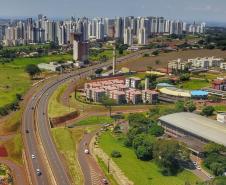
x,y
194,127
52,66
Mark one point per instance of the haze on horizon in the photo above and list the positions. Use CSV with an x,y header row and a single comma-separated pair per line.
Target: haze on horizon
x,y
199,10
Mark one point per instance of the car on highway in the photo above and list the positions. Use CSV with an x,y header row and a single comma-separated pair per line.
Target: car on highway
x,y
38,172
33,156
86,151
104,180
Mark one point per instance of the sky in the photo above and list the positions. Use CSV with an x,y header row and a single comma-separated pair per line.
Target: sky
x,y
189,10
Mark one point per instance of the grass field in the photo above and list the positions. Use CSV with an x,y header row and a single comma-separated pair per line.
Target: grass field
x,y
55,108
108,54
140,64
194,84
66,143
94,120
220,108
12,123
141,172
14,79
14,148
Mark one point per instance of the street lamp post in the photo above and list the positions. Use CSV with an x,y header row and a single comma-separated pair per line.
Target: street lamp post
x,y
108,165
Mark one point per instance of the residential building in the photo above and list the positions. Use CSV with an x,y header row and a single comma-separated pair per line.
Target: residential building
x,y
219,84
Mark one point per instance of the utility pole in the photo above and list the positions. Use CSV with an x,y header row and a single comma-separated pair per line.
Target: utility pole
x,y
114,54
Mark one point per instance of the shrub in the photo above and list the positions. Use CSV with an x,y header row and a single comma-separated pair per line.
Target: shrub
x,y
116,154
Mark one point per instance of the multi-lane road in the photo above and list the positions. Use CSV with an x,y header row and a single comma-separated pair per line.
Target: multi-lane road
x,y
36,130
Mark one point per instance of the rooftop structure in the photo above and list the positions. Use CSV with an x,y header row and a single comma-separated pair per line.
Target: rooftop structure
x,y
173,91
196,126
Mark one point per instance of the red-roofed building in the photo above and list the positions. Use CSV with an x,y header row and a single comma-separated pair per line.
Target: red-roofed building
x,y
219,84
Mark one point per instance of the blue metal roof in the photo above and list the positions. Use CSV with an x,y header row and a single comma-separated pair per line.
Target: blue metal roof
x,y
199,93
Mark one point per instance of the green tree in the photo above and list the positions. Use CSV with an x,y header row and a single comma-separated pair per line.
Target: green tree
x,y
213,148
185,77
155,111
53,45
143,145
108,103
168,154
156,130
179,106
208,110
190,106
138,119
32,70
215,98
99,71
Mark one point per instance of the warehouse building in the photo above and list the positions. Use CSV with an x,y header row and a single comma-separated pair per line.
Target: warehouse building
x,y
194,130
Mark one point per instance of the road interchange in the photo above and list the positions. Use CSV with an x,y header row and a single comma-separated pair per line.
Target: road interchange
x,y
38,141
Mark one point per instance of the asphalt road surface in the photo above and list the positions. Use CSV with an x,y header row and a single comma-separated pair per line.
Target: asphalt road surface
x,y
35,121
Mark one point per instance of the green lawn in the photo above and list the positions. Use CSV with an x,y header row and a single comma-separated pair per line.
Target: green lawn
x,y
220,108
93,120
55,108
194,84
14,79
141,172
66,142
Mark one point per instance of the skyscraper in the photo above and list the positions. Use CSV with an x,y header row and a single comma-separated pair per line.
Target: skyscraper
x,y
142,38
118,28
100,31
128,36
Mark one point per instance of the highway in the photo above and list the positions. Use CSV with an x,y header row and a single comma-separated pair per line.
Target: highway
x,y
39,140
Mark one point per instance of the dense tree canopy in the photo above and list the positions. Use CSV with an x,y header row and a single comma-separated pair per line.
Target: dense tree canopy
x,y
208,110
32,70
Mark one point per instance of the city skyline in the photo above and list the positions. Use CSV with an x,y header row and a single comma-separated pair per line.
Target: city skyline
x,y
199,10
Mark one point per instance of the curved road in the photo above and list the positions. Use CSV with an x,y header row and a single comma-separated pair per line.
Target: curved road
x,y
35,120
